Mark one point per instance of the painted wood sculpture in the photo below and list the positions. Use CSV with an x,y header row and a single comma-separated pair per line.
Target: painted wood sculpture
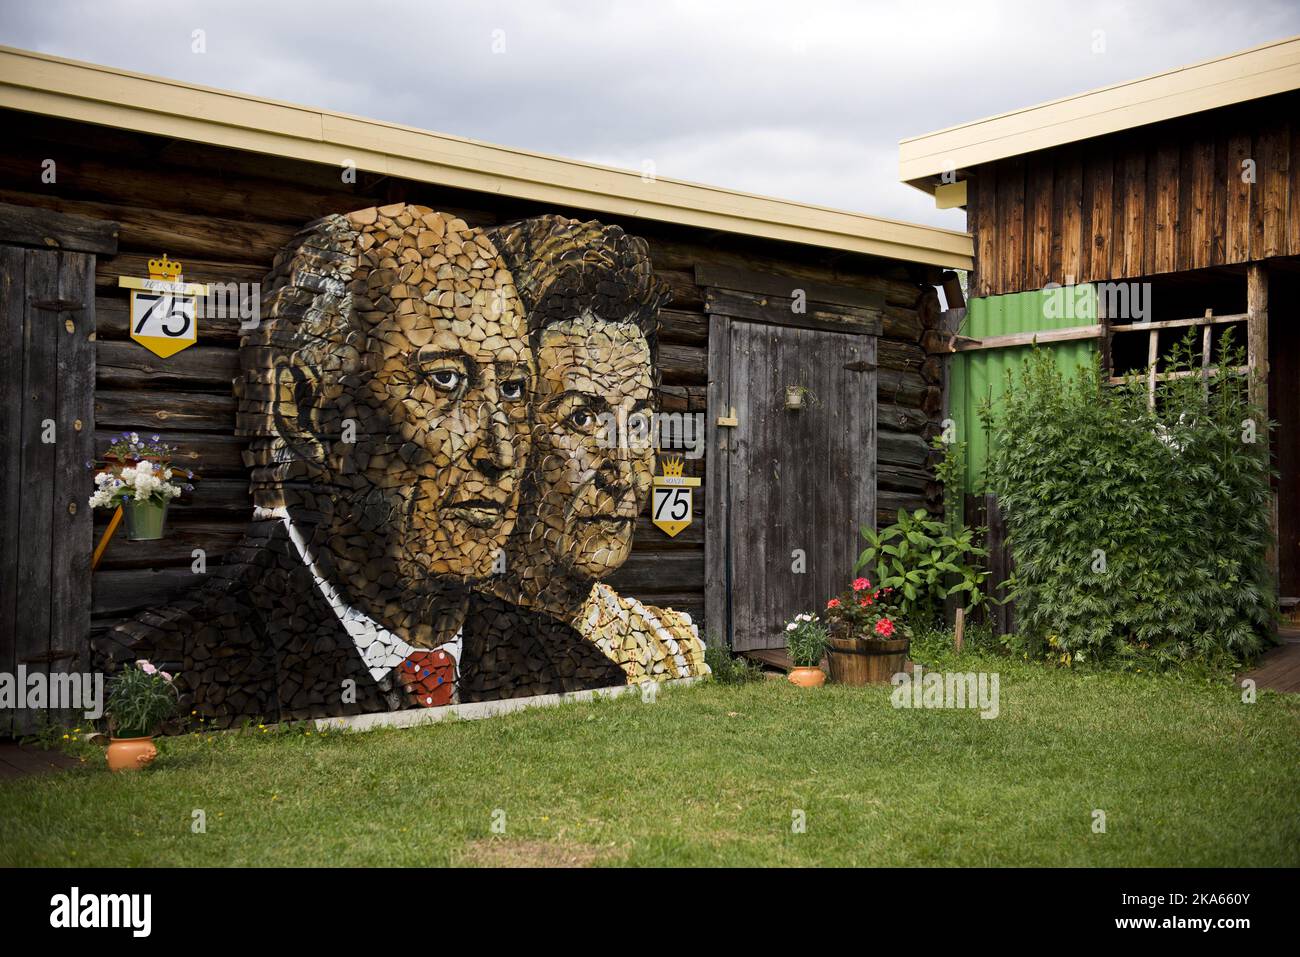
x,y
437,494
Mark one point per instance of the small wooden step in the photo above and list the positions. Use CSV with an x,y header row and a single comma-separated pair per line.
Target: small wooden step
x,y
777,658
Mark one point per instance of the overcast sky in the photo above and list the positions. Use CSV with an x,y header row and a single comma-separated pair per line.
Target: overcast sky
x,y
804,99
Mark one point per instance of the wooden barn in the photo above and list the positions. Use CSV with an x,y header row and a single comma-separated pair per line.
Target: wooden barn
x,y
1176,198
102,171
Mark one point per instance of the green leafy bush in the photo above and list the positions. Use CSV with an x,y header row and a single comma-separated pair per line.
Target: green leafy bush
x,y
1138,533
728,669
923,562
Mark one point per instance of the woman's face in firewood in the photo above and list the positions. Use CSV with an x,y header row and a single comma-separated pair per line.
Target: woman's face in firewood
x,y
453,380
594,443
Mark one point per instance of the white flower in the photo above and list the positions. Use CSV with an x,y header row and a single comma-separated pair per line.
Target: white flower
x,y
790,627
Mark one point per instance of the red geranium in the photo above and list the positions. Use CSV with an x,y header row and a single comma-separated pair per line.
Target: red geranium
x,y
859,584
884,628
833,603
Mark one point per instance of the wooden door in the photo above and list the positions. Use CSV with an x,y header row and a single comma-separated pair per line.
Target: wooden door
x,y
800,484
47,372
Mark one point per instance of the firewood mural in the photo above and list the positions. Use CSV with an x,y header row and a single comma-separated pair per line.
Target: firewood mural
x,y
448,435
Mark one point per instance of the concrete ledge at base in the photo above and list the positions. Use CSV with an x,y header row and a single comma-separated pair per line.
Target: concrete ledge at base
x,y
481,709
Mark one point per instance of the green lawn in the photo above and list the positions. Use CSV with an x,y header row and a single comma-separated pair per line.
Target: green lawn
x,y
1185,772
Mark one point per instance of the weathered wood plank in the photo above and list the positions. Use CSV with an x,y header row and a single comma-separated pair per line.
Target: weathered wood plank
x,y
13,298
717,542
1293,194
154,411
1011,216
129,365
70,527
1201,225
121,592
681,570
1269,196
1038,214
1238,192
37,466
983,223
176,548
775,310
212,454
1166,227
783,287
1131,245
157,227
26,224
898,448
682,365
107,271
686,328
1098,185
1070,186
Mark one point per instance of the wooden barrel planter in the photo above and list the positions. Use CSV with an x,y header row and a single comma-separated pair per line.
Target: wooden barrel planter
x,y
865,661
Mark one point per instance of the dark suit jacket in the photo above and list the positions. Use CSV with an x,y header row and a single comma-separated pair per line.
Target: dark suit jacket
x,y
258,641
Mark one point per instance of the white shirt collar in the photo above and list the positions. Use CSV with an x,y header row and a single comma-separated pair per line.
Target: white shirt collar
x,y
380,649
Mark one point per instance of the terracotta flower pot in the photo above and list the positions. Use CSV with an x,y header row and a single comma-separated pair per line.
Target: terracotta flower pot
x,y
131,754
807,677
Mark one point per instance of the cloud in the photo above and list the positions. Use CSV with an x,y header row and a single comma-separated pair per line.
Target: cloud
x,y
805,100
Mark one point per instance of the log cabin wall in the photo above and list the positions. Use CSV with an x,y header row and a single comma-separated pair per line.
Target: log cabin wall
x,y
1164,198
225,213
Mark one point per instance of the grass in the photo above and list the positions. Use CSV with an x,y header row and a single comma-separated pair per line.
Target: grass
x,y
1185,772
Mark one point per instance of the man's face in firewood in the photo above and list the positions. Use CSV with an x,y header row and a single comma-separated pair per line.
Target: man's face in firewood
x,y
594,443
452,380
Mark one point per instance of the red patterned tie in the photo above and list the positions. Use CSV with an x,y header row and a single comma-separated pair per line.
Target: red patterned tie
x,y
429,677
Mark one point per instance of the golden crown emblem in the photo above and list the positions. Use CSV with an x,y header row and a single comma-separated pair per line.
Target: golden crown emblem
x,y
168,270
672,466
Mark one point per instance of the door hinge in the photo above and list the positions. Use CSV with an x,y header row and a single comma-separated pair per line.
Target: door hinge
x,y
860,366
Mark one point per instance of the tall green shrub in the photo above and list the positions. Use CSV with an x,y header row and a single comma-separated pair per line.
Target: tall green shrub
x,y
1137,533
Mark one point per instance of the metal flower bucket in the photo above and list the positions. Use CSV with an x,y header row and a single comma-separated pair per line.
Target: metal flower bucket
x,y
144,520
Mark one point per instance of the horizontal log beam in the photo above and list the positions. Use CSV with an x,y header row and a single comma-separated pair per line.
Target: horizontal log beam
x,y
1074,333
48,229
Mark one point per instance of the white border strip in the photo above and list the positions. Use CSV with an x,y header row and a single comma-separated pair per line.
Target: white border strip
x,y
415,717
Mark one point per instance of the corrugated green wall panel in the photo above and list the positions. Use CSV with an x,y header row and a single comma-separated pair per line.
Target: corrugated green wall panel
x,y
982,374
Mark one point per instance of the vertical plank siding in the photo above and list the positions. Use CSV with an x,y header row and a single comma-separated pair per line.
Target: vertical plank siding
x,y
1165,198
224,214
47,372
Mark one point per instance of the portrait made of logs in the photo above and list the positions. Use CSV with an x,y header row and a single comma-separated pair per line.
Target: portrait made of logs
x,y
436,496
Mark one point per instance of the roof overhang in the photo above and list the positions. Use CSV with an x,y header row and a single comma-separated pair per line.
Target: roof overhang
x,y
1247,75
37,83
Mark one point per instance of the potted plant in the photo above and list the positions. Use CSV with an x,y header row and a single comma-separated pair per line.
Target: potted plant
x,y
138,475
868,639
805,638
140,698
